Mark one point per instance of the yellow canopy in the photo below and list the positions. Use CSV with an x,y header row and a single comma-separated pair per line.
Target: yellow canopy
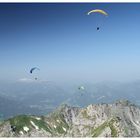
x,y
97,11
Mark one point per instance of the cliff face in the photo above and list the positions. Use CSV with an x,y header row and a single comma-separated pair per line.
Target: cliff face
x,y
120,119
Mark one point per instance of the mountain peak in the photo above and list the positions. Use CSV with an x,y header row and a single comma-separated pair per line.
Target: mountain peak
x,y
119,119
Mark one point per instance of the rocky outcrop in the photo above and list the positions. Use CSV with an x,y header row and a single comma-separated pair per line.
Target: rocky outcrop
x,y
119,119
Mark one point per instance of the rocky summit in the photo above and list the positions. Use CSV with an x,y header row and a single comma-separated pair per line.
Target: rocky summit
x,y
119,119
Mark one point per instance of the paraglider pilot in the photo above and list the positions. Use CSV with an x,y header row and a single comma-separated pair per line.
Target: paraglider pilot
x,y
13,128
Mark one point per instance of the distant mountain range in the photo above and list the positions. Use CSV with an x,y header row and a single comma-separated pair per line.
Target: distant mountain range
x,y
36,98
106,92
9,108
43,97
119,119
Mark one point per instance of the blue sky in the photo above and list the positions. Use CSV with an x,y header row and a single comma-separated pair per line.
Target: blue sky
x,y
63,42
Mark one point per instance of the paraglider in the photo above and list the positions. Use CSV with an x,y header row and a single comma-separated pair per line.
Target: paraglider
x,y
99,11
81,89
32,71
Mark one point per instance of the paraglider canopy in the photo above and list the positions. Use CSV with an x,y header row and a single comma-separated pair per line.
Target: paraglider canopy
x,y
81,88
32,69
97,11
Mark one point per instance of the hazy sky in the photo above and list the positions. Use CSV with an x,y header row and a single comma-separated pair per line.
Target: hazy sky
x,y
63,42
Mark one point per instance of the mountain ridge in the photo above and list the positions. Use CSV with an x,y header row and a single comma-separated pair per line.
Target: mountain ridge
x,y
119,119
